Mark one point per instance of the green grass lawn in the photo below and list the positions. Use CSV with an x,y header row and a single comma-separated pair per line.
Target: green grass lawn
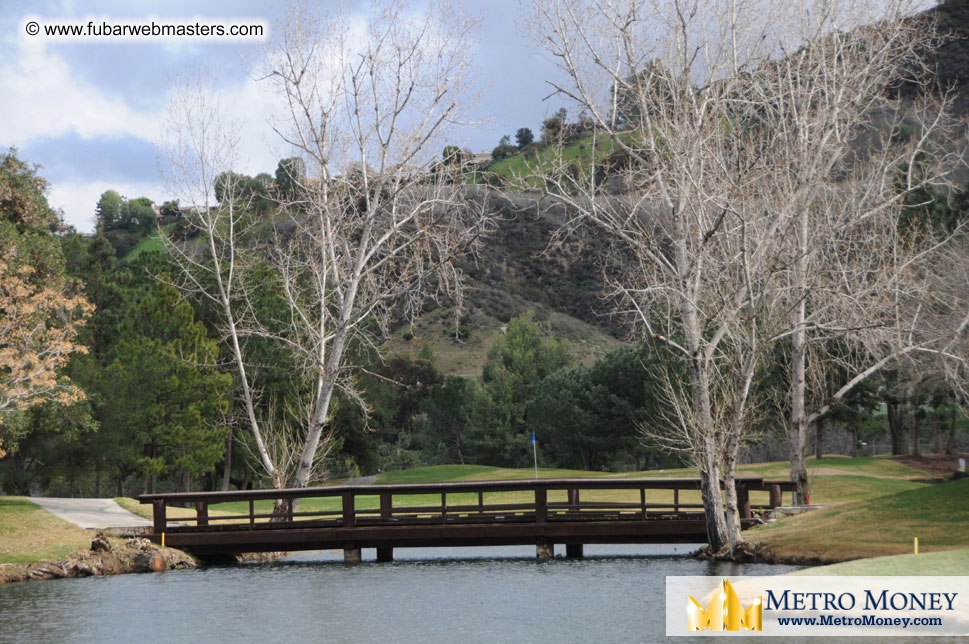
x,y
148,244
884,525
29,533
522,172
944,563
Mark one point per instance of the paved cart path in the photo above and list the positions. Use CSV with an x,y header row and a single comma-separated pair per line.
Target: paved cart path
x,y
91,513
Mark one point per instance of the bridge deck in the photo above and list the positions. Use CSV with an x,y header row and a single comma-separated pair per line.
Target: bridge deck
x,y
474,513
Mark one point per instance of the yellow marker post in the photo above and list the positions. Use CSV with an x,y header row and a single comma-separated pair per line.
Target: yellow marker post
x,y
163,543
916,545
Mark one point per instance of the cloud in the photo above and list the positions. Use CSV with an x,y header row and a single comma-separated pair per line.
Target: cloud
x,y
43,98
70,157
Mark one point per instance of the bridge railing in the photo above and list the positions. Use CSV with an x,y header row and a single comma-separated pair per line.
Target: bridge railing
x,y
535,500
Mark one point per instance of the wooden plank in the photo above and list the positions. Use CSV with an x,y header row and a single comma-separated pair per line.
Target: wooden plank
x,y
201,513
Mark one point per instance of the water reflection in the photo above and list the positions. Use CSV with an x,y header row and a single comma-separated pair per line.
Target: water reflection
x,y
464,595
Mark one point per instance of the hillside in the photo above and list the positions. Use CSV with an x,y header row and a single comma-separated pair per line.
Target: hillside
x,y
514,273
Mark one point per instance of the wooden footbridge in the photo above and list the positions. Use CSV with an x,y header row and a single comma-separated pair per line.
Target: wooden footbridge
x,y
540,512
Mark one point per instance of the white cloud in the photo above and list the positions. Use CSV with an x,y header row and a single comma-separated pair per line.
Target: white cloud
x,y
42,97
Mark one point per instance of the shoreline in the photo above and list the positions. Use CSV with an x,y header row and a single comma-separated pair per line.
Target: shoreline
x,y
138,555
105,557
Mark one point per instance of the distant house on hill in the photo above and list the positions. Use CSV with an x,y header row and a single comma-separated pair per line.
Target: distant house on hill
x,y
478,159
572,131
184,210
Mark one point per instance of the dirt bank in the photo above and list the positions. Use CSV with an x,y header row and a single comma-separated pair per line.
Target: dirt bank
x,y
105,557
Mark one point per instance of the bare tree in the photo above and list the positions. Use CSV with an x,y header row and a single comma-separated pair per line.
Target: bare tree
x,y
744,127
365,230
201,146
373,232
849,149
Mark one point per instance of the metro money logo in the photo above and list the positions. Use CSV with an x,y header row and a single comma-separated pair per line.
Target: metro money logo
x,y
725,612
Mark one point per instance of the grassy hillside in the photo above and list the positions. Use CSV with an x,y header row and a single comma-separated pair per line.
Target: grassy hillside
x,y
467,356
151,242
520,171
885,525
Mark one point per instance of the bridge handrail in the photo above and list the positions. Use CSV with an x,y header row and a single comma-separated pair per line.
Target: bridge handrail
x,y
541,506
751,483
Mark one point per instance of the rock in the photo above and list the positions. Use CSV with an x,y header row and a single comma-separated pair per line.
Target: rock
x,y
100,543
139,544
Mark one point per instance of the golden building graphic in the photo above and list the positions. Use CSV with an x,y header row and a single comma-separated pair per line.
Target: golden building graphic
x,y
725,612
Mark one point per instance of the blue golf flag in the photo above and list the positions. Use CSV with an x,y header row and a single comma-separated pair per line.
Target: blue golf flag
x,y
533,438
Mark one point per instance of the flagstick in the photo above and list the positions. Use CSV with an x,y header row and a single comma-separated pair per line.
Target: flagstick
x,y
535,453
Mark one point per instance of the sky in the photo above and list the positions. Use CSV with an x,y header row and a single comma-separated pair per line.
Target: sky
x,y
90,112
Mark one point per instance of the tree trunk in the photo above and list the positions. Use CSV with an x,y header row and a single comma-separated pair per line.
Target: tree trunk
x,y
854,440
327,382
713,502
916,429
709,457
937,430
227,470
731,508
819,438
708,452
896,427
797,428
950,444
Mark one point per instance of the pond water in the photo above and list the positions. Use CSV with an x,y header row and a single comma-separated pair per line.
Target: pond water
x,y
453,595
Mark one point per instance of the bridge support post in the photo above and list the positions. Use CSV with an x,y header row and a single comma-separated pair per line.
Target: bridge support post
x,y
545,550
351,555
776,498
385,554
573,550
